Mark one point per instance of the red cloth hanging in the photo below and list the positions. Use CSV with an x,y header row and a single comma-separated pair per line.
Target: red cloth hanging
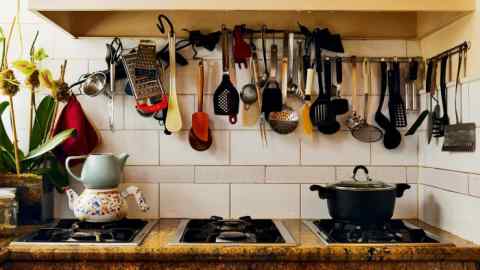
x,y
86,139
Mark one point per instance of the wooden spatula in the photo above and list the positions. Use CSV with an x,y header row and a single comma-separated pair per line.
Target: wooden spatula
x,y
174,117
200,118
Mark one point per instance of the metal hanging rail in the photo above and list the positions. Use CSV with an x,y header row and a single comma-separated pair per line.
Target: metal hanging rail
x,y
452,51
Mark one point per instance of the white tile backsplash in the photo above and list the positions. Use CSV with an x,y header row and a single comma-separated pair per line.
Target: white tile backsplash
x,y
159,174
347,150
175,150
230,174
247,149
194,200
142,151
448,180
269,200
296,174
311,205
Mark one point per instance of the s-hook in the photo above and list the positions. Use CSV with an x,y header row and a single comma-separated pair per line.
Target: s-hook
x,y
161,26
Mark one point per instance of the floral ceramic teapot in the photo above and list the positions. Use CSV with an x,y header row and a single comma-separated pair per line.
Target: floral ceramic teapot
x,y
103,205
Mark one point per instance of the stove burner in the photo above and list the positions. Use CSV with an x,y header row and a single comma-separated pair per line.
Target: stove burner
x,y
69,230
394,231
243,230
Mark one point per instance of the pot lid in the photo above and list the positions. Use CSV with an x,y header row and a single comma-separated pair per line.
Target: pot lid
x,y
362,184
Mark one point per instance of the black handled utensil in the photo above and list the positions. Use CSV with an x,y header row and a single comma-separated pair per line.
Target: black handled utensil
x,y
396,106
226,99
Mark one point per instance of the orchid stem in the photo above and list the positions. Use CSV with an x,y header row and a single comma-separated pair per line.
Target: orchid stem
x,y
15,137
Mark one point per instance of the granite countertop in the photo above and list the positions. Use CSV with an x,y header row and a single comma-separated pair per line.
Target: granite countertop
x,y
309,249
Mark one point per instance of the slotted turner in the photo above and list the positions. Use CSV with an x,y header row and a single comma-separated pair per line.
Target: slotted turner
x,y
396,106
226,99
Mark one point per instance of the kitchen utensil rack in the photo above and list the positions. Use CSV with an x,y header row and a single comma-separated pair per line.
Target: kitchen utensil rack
x,y
460,48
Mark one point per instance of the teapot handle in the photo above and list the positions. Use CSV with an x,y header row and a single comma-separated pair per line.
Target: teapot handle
x,y
138,195
67,166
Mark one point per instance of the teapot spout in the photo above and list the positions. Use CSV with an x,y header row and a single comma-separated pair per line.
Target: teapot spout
x,y
122,159
72,197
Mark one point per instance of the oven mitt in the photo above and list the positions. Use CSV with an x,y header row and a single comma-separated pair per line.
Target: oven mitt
x,y
86,139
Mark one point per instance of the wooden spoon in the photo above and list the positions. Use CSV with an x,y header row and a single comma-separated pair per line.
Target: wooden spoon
x,y
200,118
174,118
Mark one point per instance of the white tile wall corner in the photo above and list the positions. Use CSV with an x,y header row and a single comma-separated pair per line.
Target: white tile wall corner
x,y
300,174
453,181
159,174
142,151
338,149
313,207
230,174
451,211
412,174
194,200
474,185
175,150
247,149
151,194
268,200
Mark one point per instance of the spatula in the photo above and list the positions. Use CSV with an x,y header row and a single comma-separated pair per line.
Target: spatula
x,y
174,118
339,104
200,118
460,137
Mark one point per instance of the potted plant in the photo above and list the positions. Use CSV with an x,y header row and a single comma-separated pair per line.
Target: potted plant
x,y
36,171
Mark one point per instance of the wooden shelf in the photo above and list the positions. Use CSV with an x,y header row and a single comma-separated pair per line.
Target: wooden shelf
x,y
369,19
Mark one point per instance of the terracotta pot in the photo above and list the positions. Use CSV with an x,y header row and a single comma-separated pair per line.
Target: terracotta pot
x,y
34,196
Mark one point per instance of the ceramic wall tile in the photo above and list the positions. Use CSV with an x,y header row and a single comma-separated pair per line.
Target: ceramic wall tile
x,y
159,174
229,174
265,200
443,179
296,174
194,200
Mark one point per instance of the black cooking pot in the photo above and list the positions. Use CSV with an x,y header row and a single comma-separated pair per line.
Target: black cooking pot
x,y
362,202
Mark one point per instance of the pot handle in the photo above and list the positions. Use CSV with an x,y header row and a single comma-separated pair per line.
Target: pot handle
x,y
323,192
69,170
360,167
400,189
138,195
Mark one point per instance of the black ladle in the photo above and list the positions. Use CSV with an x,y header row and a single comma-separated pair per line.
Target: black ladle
x,y
392,137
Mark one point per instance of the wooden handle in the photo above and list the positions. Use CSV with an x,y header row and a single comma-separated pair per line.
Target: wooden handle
x,y
354,86
255,80
173,64
284,70
309,84
200,84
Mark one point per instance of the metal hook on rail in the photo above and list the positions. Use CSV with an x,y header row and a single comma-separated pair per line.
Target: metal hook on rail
x,y
161,26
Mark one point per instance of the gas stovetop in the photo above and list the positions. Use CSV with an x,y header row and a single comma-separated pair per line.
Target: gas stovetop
x,y
332,232
127,232
242,231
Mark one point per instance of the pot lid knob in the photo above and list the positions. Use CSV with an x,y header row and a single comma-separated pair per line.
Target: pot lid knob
x,y
365,171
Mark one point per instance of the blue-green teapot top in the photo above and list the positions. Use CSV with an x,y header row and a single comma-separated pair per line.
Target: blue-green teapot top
x,y
100,171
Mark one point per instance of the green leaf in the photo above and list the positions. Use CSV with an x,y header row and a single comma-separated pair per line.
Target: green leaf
x,y
5,141
7,162
54,172
43,119
51,144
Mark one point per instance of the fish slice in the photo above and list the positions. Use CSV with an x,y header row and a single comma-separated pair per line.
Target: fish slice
x,y
396,106
226,99
200,118
174,119
424,114
460,137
